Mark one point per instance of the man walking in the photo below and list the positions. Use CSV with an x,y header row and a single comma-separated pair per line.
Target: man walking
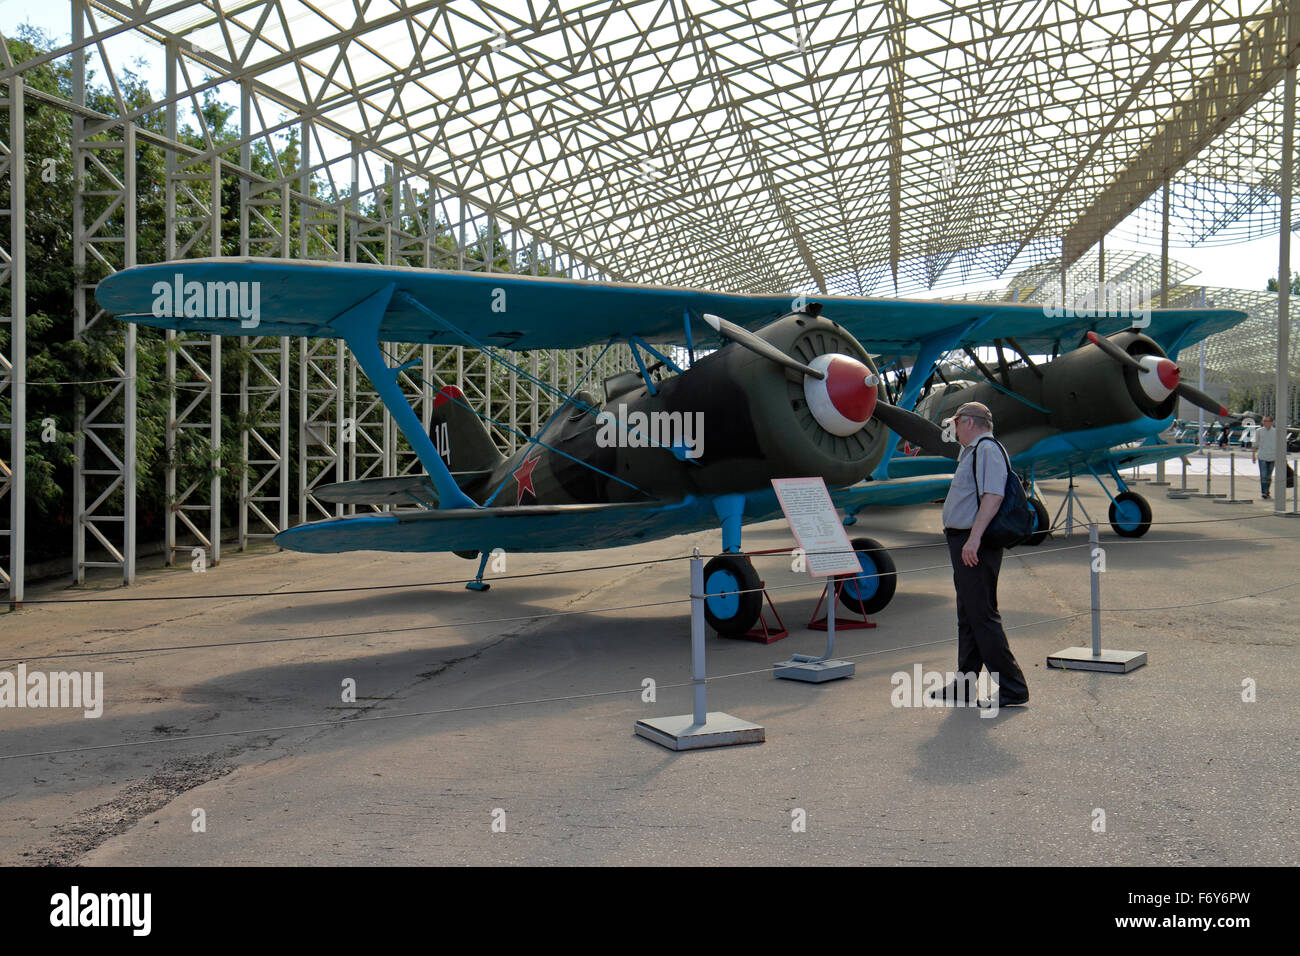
x,y
1265,451
973,499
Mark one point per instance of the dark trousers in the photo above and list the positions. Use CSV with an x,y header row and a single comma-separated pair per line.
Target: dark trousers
x,y
981,642
1266,477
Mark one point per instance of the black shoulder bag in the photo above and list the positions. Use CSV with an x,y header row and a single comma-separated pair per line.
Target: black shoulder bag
x,y
1015,519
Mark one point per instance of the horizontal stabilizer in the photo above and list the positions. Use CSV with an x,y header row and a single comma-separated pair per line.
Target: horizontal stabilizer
x,y
403,490
408,489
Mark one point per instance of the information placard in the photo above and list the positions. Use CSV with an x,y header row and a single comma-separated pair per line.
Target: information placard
x,y
816,525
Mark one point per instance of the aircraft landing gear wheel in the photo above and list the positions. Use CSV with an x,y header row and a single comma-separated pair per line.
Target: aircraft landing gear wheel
x,y
870,591
1130,515
727,610
1042,524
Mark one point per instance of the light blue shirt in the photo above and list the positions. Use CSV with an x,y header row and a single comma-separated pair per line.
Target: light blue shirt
x,y
963,501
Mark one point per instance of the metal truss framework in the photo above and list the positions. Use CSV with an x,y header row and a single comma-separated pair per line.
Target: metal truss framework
x,y
756,144
744,145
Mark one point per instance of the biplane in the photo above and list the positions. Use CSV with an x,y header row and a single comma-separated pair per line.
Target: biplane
x,y
1093,410
787,387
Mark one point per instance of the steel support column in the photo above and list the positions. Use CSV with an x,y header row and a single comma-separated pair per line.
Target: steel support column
x,y
1282,386
13,367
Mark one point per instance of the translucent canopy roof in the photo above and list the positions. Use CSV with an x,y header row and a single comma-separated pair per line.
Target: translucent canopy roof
x,y
772,144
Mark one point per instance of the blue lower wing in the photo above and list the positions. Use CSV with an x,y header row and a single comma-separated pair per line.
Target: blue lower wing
x,y
542,528
528,528
893,493
1056,464
1148,454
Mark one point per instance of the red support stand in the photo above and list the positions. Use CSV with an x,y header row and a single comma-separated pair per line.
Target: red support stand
x,y
764,634
841,623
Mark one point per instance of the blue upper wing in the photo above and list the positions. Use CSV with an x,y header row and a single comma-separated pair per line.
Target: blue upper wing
x,y
526,312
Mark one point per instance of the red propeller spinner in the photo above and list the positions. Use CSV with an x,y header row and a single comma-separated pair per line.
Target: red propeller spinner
x,y
843,400
1158,376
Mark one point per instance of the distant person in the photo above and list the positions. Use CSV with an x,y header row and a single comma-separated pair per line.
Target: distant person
x,y
1265,452
973,499
1223,436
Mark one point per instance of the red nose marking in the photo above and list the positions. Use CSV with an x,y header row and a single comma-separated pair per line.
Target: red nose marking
x,y
1168,373
849,393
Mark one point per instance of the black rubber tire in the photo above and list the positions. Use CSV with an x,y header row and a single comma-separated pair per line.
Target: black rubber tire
x,y
880,590
732,613
1043,524
1128,529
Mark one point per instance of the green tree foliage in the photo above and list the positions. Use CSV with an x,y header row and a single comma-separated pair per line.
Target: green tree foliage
x,y
1295,284
60,365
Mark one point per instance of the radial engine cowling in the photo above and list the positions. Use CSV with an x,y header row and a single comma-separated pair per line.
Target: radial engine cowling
x,y
763,421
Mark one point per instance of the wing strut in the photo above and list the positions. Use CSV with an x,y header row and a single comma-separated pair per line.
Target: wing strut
x,y
359,327
927,357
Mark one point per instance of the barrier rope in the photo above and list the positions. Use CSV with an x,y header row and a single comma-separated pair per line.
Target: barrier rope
x,y
346,721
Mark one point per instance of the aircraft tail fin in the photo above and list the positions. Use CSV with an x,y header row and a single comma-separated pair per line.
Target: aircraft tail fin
x,y
459,434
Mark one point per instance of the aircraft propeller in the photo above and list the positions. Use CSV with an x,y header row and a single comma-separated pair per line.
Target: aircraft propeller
x,y
758,345
1158,376
843,393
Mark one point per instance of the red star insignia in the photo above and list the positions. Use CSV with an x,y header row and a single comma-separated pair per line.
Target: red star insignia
x,y
523,476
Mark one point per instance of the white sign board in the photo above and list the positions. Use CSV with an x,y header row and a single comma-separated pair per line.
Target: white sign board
x,y
811,514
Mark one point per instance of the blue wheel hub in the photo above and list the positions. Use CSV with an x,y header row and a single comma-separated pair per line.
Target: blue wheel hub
x,y
1128,515
722,606
863,588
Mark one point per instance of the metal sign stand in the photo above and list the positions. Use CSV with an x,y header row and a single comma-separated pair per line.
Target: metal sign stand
x,y
1094,658
701,728
811,515
817,670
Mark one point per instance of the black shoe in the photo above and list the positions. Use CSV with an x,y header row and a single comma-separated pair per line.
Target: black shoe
x,y
1003,700
1265,495
955,692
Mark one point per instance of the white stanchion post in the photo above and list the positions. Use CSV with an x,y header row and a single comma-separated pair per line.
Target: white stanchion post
x,y
700,728
1094,658
1209,474
1232,498
698,676
1095,585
